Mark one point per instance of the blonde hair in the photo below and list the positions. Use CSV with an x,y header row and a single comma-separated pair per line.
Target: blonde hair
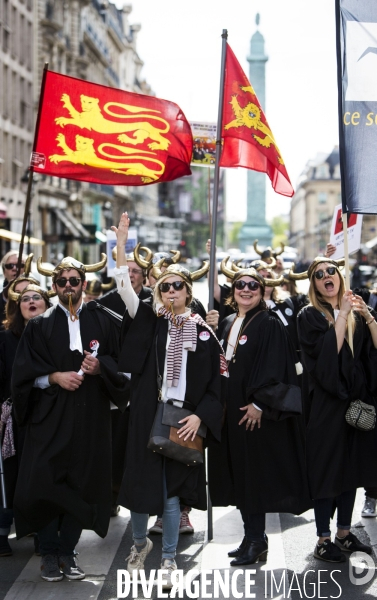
x,y
316,300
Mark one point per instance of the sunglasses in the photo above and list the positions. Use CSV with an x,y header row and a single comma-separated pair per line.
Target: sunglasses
x,y
11,266
321,273
35,297
73,281
252,285
176,285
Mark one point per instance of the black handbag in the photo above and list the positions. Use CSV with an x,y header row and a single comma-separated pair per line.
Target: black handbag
x,y
164,438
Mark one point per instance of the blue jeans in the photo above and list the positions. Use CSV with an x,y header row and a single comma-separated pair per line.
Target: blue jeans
x,y
170,534
60,537
323,509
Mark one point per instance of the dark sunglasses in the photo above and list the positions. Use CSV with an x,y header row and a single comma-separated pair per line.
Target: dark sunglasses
x,y
13,265
165,287
73,281
252,285
321,273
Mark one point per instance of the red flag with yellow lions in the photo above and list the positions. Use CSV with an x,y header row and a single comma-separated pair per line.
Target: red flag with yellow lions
x,y
248,139
99,134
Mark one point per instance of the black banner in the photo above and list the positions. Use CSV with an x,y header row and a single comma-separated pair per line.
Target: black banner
x,y
356,22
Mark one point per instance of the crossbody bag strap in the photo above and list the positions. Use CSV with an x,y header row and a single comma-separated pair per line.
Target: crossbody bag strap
x,y
249,321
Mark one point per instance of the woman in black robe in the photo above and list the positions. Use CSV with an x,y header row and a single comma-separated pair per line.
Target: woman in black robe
x,y
263,437
19,311
184,343
340,458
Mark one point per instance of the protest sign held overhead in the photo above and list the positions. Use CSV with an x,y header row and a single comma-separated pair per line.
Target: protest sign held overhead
x,y
204,140
357,62
354,225
248,139
94,133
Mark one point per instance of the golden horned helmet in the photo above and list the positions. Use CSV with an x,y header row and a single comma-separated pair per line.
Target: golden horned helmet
x,y
94,287
28,262
235,273
152,259
308,274
179,270
33,287
71,263
268,252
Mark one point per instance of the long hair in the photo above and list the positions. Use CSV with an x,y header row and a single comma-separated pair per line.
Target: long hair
x,y
317,301
15,321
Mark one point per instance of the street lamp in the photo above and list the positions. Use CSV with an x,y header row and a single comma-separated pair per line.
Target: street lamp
x,y
24,184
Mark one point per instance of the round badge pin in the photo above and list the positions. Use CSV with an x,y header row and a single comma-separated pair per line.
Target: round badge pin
x,y
243,340
288,312
204,335
94,344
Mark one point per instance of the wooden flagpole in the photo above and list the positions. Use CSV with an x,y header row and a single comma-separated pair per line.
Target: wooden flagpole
x,y
31,171
347,276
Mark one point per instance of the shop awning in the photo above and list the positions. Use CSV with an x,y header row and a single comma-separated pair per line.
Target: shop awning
x,y
16,237
72,224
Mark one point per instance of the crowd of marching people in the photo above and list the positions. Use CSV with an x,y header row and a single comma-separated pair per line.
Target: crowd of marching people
x,y
109,397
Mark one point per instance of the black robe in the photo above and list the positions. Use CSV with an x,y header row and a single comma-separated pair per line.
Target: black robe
x,y
66,462
8,348
113,300
263,470
142,486
339,457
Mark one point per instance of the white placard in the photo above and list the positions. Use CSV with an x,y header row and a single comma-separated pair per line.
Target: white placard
x,y
111,243
355,223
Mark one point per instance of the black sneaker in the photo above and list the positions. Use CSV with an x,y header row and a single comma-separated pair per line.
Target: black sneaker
x,y
350,543
70,568
50,568
5,549
328,552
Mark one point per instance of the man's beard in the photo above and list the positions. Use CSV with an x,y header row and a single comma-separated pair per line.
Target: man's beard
x,y
64,294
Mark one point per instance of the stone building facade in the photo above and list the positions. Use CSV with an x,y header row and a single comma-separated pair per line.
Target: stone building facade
x,y
317,193
16,109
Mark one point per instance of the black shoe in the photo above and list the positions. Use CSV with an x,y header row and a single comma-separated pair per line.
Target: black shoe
x,y
328,552
36,545
350,543
252,552
5,549
238,551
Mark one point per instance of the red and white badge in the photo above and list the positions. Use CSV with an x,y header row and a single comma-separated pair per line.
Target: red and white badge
x,y
204,335
243,340
94,345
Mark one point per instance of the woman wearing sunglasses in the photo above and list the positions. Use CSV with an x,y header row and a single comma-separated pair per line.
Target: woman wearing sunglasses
x,y
180,347
25,300
262,435
340,458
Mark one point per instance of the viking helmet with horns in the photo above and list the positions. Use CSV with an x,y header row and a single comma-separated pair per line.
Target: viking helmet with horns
x,y
151,259
71,263
318,260
268,252
179,270
235,273
16,296
95,287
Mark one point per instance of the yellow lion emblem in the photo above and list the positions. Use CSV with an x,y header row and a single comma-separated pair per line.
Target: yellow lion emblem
x,y
92,118
84,154
250,117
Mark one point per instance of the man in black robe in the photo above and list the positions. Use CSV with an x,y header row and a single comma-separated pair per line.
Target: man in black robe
x,y
64,480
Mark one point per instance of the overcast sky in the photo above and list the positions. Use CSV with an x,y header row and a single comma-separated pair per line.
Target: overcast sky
x,y
180,44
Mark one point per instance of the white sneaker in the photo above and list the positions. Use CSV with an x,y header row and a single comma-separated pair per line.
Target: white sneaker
x,y
369,509
169,565
136,559
157,527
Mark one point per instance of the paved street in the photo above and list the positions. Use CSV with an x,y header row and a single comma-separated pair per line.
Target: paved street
x,y
291,543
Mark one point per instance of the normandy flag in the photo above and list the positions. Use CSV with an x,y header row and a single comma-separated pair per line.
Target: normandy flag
x,y
357,87
248,139
103,135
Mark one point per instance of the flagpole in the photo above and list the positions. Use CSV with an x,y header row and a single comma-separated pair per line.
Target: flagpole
x,y
341,161
215,199
213,227
31,173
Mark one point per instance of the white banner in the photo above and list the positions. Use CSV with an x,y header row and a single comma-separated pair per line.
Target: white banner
x,y
355,223
111,243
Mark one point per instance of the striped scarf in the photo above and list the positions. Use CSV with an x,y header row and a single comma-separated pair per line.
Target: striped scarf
x,y
183,334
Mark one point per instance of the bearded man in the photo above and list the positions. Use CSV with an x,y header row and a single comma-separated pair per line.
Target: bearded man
x,y
61,391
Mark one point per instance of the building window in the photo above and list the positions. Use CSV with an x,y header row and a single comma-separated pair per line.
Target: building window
x,y
322,171
322,197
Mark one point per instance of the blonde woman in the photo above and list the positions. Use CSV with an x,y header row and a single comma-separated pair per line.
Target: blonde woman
x,y
336,451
